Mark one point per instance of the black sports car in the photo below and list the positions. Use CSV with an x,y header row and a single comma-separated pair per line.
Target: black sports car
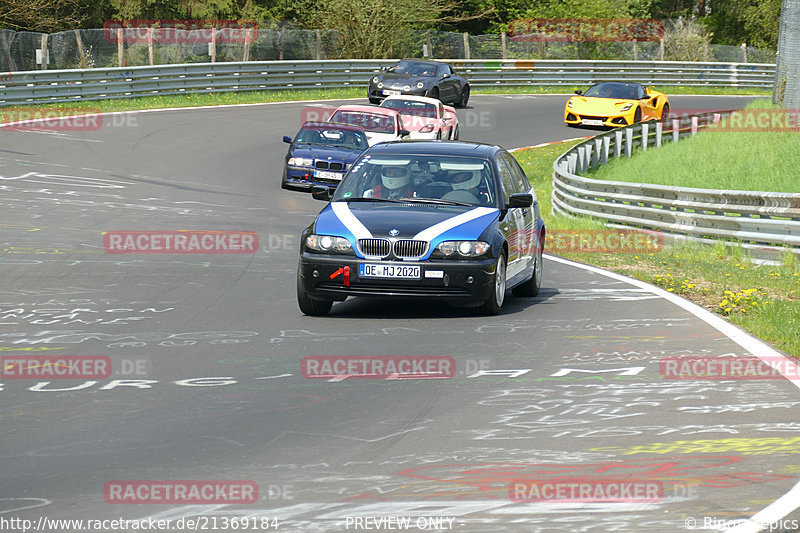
x,y
451,220
421,78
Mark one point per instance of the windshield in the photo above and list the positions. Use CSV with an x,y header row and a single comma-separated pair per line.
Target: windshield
x,y
411,107
373,122
332,136
616,91
463,180
413,68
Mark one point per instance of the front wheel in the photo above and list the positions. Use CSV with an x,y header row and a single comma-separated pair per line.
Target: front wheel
x,y
637,116
456,133
308,305
374,100
434,93
495,302
665,112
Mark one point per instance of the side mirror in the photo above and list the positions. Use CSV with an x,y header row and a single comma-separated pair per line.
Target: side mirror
x,y
383,68
579,92
520,199
287,139
320,192
404,133
445,76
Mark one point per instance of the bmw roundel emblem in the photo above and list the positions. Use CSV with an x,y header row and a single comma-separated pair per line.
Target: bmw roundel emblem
x,y
394,232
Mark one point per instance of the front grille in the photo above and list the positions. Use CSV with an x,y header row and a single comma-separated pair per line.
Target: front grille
x,y
592,117
408,248
374,247
321,165
337,166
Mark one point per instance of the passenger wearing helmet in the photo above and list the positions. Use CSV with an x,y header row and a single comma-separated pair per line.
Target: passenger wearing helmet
x,y
395,183
470,181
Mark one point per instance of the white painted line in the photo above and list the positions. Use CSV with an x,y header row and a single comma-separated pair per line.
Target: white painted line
x,y
790,501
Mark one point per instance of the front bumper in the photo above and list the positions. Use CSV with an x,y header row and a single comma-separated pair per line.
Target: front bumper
x,y
615,121
303,178
377,94
453,286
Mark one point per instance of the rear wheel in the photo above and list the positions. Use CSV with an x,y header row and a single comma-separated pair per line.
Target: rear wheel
x,y
495,302
532,286
308,305
464,97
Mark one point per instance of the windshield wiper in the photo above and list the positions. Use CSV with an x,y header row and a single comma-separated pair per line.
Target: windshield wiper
x,y
362,199
437,201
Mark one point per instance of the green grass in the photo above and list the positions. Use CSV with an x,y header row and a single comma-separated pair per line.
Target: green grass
x,y
762,299
281,95
751,161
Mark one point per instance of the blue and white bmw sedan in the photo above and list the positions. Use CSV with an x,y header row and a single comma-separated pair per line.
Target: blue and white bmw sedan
x,y
456,221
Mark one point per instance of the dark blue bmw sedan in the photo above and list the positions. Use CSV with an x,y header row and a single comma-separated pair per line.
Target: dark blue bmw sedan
x,y
321,153
456,221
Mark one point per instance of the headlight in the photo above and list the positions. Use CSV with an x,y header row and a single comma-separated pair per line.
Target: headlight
x,y
301,162
328,244
407,88
569,103
626,107
380,85
426,129
420,85
450,249
375,79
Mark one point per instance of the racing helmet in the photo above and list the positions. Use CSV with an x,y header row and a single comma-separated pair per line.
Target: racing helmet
x,y
465,179
395,177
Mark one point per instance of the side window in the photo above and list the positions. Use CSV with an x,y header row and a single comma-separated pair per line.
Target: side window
x,y
442,71
506,177
521,180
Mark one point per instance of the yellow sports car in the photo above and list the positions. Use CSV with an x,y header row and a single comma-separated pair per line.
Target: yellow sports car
x,y
614,104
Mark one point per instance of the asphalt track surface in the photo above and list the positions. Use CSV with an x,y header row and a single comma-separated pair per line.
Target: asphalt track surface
x,y
580,398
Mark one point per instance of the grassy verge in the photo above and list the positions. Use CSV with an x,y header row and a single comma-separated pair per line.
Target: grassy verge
x,y
757,160
762,299
253,97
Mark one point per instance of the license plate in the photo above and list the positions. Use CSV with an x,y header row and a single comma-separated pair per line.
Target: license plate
x,y
366,270
592,122
328,175
389,92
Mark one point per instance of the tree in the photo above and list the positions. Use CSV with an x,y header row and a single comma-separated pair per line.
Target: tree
x,y
41,15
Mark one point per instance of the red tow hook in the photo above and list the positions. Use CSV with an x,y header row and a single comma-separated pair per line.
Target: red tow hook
x,y
347,276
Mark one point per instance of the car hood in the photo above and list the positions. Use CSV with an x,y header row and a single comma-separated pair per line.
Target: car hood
x,y
428,222
312,151
391,79
598,106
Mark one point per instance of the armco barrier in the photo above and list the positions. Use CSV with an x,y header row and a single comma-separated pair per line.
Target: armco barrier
x,y
766,223
52,86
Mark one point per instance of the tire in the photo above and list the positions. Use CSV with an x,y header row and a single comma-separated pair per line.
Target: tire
x,y
434,93
464,97
456,133
664,112
493,305
308,305
376,101
531,287
637,116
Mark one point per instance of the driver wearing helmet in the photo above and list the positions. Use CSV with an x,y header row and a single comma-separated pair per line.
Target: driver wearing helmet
x,y
395,183
470,181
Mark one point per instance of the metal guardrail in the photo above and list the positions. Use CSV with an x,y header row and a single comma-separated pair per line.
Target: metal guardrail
x,y
55,86
759,221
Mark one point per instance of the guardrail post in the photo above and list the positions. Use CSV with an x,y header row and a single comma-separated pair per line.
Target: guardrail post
x,y
628,141
676,129
617,143
659,130
588,155
694,126
579,166
645,136
598,143
606,146
572,163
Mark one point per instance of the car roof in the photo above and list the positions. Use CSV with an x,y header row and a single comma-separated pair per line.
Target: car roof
x,y
424,147
368,109
334,125
426,61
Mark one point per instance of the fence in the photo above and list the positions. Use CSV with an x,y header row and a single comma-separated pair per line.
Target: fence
x,y
764,222
99,48
52,86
